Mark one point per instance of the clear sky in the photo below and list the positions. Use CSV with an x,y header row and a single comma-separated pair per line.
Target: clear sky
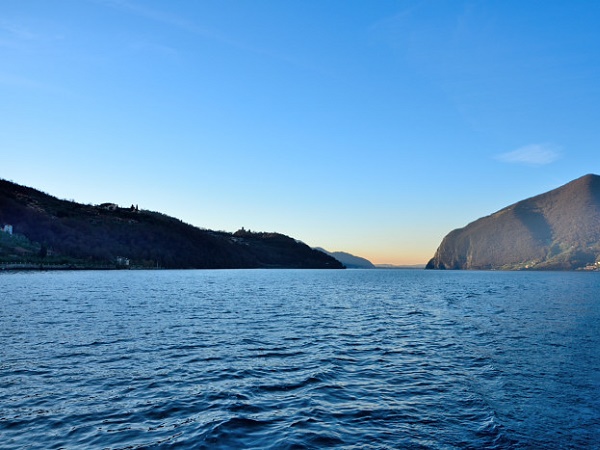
x,y
372,127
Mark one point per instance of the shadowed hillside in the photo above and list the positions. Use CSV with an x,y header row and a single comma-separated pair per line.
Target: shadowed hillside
x,y
558,230
50,230
348,260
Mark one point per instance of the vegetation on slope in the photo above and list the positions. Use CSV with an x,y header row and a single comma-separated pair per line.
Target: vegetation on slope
x,y
102,234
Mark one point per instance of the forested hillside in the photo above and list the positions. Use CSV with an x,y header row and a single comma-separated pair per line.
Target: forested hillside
x,y
49,229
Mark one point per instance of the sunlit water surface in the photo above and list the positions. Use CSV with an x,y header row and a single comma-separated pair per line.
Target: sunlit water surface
x,y
299,359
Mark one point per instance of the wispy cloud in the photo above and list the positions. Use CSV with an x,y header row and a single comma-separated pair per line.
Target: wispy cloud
x,y
142,10
19,34
172,20
533,155
16,30
13,34
182,23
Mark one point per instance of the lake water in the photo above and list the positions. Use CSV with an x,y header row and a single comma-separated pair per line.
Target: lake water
x,y
353,359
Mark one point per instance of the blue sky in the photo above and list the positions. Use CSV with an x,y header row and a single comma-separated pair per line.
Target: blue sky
x,y
368,127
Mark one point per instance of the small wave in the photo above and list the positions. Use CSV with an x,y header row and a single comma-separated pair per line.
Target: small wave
x,y
235,432
492,434
512,368
291,386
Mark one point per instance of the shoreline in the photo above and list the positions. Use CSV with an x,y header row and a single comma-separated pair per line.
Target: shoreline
x,y
42,266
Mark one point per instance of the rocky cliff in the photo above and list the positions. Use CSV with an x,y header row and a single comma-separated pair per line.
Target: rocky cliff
x,y
557,230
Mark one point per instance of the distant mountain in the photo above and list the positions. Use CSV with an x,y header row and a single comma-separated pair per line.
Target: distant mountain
x,y
48,230
558,230
348,260
400,266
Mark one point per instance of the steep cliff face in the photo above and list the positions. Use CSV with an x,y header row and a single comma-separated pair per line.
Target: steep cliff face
x,y
558,230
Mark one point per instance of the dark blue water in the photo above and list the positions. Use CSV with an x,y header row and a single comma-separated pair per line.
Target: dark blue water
x,y
299,359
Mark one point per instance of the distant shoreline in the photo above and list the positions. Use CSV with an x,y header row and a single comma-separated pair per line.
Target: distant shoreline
x,y
38,266
31,267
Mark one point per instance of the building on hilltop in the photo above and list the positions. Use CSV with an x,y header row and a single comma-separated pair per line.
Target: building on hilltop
x,y
8,229
109,206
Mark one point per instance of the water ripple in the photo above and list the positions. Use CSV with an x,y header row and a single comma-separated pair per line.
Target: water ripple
x,y
299,359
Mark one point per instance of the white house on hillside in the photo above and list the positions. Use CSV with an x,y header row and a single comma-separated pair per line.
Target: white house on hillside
x,y
8,229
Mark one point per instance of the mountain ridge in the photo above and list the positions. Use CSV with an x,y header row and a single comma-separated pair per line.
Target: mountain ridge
x,y
50,230
556,230
349,260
